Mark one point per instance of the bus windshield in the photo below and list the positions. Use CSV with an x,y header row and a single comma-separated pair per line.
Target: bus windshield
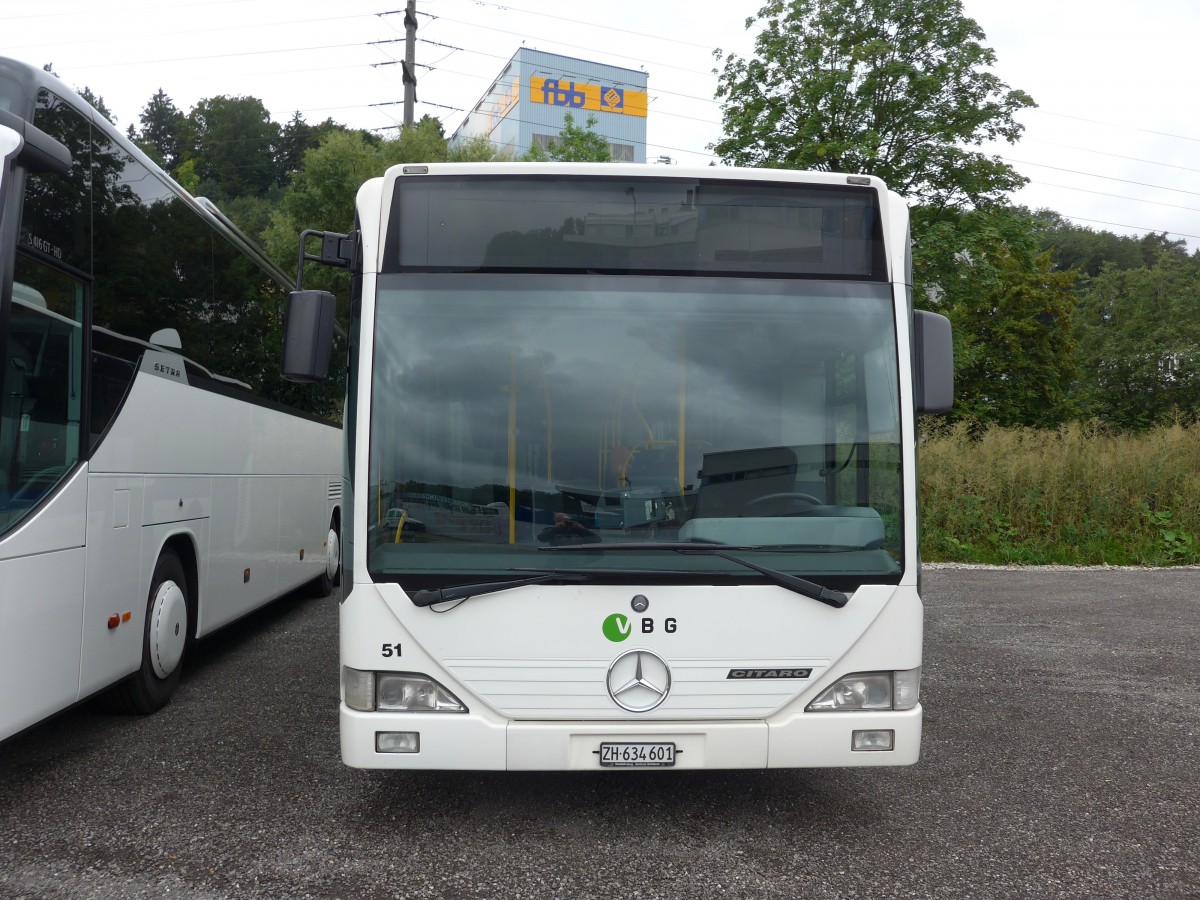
x,y
515,411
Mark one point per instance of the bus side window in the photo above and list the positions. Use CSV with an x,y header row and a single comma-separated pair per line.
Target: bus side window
x,y
128,307
40,429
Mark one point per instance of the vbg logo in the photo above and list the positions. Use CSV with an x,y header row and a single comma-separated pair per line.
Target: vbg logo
x,y
617,627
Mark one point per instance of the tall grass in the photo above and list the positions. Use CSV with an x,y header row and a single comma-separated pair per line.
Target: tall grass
x,y
1077,495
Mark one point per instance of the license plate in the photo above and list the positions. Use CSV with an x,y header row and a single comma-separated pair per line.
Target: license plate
x,y
637,755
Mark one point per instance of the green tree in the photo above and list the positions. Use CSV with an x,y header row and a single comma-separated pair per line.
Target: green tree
x,y
1139,343
574,144
321,192
164,130
423,141
475,149
97,101
894,88
1011,312
186,175
297,137
233,146
1074,246
321,195
1155,244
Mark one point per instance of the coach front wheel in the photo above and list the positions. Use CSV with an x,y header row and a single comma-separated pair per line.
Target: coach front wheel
x,y
329,579
164,638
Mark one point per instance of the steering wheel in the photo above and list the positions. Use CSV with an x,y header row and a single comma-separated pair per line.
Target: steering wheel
x,y
787,496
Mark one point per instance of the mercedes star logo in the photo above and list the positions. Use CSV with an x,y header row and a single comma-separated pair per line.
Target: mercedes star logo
x,y
639,680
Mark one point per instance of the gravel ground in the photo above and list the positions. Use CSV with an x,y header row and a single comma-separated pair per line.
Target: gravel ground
x,y
1059,760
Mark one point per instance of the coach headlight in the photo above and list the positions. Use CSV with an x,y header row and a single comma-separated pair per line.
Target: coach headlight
x,y
870,691
396,692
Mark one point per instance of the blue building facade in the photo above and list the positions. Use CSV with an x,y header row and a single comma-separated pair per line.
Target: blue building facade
x,y
527,103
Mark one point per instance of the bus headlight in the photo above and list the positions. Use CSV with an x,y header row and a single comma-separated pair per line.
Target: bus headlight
x,y
870,691
412,693
396,692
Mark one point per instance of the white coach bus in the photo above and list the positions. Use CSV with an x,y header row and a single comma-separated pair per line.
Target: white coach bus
x,y
158,477
633,468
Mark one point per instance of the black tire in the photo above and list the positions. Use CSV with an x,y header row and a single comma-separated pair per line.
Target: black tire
x,y
164,638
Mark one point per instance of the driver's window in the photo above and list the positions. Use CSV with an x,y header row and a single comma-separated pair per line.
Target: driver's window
x,y
42,387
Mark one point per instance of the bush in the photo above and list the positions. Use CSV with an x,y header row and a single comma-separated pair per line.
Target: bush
x,y
1079,494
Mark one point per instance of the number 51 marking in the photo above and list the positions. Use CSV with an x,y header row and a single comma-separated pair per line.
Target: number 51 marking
x,y
391,650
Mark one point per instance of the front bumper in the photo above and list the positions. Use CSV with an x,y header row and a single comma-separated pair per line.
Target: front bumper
x,y
453,741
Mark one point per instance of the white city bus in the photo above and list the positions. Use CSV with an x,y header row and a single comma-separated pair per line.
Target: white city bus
x,y
633,468
158,477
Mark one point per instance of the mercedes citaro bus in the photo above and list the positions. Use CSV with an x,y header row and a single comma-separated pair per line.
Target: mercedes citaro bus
x,y
631,467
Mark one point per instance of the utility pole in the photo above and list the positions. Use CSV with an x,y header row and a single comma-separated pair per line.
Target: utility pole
x,y
410,60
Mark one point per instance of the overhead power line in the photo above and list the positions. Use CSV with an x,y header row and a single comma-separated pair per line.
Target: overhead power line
x,y
1125,125
1067,187
179,59
1149,162
240,27
560,70
530,39
659,111
576,22
1141,228
1161,187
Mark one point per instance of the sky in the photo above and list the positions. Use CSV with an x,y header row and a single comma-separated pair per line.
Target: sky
x,y
1114,143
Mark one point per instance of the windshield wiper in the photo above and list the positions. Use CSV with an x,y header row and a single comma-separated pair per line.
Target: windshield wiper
x,y
809,589
463,591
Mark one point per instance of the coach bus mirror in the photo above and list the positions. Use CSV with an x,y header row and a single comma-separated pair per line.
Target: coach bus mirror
x,y
308,335
39,151
933,349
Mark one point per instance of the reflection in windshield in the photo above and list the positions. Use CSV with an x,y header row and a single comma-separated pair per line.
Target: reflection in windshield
x,y
517,412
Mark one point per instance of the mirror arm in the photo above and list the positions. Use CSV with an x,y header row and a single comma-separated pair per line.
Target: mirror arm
x,y
336,250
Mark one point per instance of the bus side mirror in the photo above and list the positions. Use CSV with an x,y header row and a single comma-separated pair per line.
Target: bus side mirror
x,y
933,352
308,335
39,151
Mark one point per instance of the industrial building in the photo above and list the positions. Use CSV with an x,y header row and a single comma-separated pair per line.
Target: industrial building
x,y
527,103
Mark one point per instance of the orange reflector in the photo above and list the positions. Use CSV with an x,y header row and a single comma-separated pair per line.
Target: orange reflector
x,y
113,621
126,616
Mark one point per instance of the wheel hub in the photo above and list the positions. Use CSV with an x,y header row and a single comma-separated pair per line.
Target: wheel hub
x,y
168,628
333,555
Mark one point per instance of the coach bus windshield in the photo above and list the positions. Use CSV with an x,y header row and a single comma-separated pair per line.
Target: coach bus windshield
x,y
512,412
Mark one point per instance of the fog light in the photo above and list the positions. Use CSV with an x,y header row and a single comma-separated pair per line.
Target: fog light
x,y
874,739
397,742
